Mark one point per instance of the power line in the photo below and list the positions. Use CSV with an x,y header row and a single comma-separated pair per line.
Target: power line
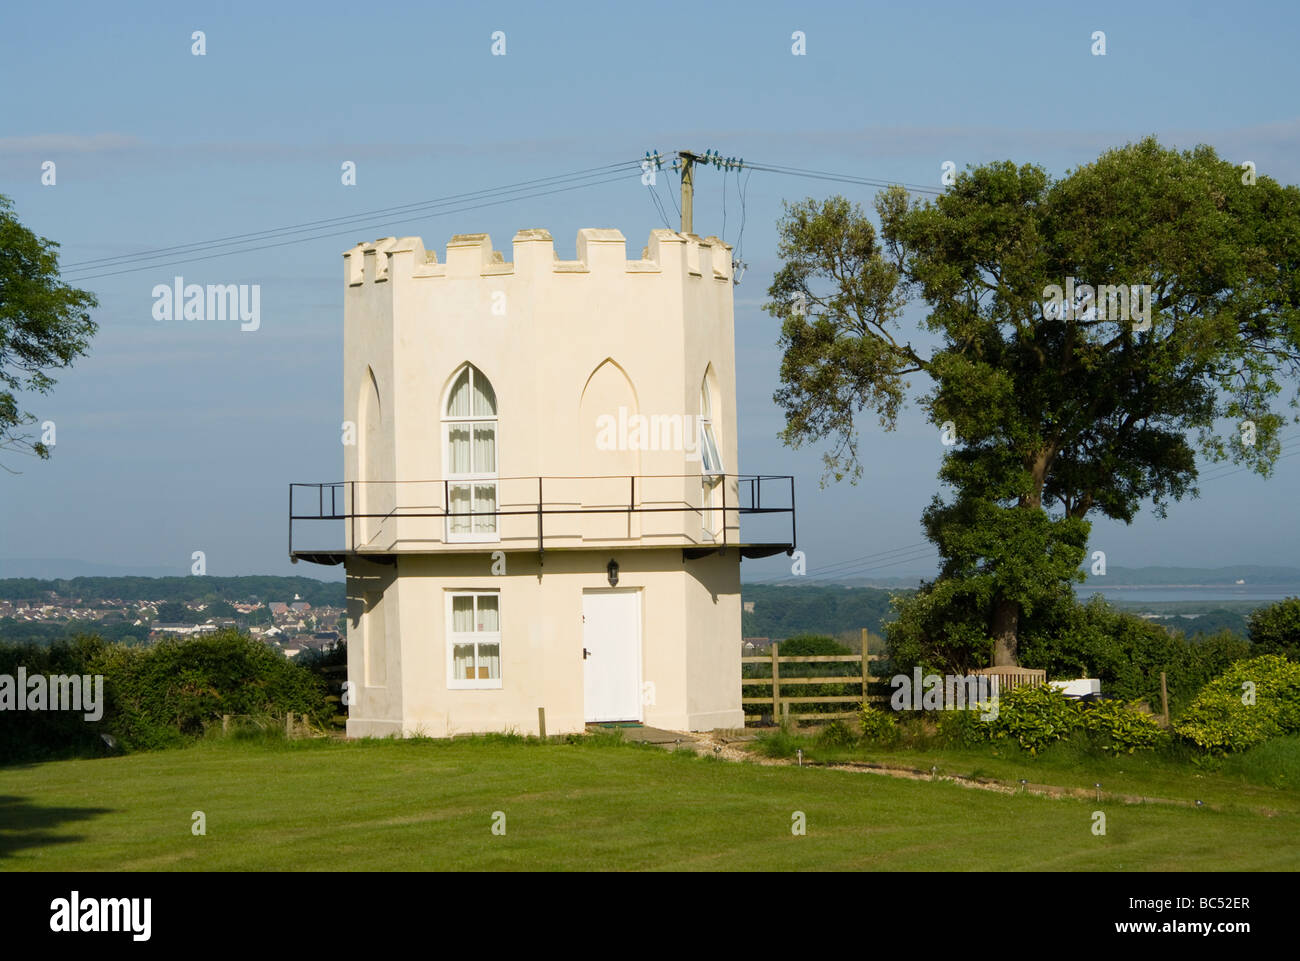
x,y
150,259
101,262
351,229
839,178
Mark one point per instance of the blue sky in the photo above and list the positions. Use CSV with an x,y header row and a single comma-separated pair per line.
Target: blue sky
x,y
175,437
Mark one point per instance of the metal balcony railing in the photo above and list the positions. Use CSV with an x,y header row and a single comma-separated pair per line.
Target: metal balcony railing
x,y
700,513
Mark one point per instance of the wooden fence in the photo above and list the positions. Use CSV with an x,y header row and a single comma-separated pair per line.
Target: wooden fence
x,y
781,702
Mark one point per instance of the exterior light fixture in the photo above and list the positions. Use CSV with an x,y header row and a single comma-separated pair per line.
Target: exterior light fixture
x,y
612,568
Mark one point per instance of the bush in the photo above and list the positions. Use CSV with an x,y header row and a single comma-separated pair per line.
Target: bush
x,y
1221,719
172,690
1126,652
965,727
158,696
878,727
836,734
1276,629
1121,728
1035,716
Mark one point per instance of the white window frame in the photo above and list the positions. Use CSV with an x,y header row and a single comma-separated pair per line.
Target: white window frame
x,y
708,447
472,479
475,637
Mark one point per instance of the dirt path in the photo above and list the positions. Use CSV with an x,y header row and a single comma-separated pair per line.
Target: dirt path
x,y
728,750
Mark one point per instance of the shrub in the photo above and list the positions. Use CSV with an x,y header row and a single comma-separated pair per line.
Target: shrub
x,y
1276,629
878,727
965,727
836,734
157,696
170,691
1221,719
1035,716
1121,728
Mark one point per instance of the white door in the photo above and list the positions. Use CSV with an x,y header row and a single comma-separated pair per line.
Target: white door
x,y
611,650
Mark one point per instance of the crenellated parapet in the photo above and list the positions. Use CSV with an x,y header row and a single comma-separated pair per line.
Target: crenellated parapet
x,y
600,252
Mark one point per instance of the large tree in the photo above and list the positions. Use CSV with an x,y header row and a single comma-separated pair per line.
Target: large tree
x,y
44,326
1063,407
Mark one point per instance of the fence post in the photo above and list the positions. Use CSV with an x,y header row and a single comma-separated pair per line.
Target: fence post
x,y
1164,699
776,682
541,723
288,724
866,667
225,723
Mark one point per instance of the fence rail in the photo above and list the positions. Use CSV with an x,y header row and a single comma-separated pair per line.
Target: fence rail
x,y
781,703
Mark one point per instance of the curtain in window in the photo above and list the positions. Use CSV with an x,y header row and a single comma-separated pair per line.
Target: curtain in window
x,y
462,662
485,448
489,614
485,399
489,661
485,503
462,614
460,505
459,403
459,454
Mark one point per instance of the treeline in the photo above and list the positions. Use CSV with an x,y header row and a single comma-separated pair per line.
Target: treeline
x,y
14,631
834,610
206,590
783,612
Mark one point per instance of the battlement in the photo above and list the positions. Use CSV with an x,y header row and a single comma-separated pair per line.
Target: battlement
x,y
599,251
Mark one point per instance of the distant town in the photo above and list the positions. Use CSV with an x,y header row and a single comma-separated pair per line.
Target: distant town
x,y
44,611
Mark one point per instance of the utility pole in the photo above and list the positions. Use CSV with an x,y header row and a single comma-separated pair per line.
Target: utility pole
x,y
688,190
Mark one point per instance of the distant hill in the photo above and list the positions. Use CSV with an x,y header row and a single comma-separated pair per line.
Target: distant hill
x,y
780,612
1251,574
1199,576
260,587
63,567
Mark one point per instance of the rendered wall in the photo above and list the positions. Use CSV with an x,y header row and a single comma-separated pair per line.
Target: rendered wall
x,y
689,644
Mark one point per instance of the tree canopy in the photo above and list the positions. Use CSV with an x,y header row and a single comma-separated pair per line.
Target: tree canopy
x,y
44,325
1091,334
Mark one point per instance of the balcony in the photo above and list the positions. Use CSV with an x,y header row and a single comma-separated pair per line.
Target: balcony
x,y
702,514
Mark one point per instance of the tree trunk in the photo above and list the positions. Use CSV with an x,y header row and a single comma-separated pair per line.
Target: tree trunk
x,y
1006,625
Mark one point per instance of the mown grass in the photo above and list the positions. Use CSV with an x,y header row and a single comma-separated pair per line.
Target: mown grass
x,y
597,805
1265,777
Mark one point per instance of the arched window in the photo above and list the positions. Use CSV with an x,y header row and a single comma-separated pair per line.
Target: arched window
x,y
710,463
469,425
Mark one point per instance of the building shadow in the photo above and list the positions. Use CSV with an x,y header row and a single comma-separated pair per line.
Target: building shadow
x,y
24,825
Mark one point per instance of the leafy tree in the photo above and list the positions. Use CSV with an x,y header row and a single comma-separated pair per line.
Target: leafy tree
x,y
44,325
173,612
1062,409
1276,629
220,608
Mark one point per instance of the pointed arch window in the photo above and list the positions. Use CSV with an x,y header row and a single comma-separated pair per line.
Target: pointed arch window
x,y
469,426
710,464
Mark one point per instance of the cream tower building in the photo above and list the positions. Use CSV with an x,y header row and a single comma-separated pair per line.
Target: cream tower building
x,y
541,515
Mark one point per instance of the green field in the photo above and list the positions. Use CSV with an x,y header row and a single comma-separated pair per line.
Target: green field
x,y
425,805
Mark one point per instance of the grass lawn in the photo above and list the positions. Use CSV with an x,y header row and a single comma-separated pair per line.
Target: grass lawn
x,y
1266,778
421,805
